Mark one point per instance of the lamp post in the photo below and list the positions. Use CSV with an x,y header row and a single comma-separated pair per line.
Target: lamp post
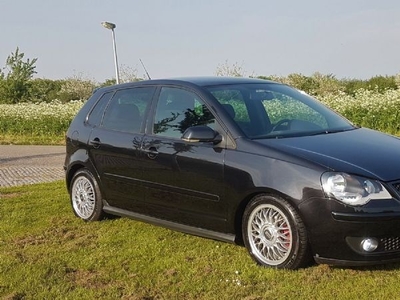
x,y
112,26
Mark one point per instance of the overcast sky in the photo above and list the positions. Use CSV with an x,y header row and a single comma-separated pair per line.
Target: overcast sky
x,y
347,38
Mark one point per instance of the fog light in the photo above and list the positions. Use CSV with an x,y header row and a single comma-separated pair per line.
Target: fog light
x,y
369,244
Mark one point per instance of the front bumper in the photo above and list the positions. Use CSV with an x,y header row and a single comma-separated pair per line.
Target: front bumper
x,y
352,263
336,231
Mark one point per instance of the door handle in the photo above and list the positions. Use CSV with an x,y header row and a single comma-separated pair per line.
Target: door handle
x,y
95,143
151,152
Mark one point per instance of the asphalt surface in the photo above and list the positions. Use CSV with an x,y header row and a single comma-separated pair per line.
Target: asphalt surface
x,y
21,165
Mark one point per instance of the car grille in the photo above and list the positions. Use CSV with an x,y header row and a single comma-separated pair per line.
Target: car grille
x,y
389,244
396,186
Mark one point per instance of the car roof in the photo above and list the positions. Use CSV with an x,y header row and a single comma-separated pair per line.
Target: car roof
x,y
198,81
219,80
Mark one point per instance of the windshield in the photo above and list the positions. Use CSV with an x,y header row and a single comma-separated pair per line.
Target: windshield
x,y
270,110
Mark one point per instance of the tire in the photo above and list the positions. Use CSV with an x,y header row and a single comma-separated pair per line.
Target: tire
x,y
85,195
274,233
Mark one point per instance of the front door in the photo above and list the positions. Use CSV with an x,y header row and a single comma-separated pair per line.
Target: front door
x,y
184,180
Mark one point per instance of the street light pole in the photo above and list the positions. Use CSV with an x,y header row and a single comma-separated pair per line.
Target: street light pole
x,y
112,26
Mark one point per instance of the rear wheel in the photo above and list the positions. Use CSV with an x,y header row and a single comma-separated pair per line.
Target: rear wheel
x,y
274,233
85,196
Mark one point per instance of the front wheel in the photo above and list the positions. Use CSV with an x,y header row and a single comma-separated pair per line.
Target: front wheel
x,y
274,233
86,197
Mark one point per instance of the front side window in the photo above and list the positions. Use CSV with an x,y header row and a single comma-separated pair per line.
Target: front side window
x,y
127,109
232,100
179,109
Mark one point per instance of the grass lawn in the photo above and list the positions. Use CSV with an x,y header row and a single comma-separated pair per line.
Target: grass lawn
x,y
48,253
23,139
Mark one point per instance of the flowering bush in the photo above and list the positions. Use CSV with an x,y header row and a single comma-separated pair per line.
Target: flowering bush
x,y
366,108
37,119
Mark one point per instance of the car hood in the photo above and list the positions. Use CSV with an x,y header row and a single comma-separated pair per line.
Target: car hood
x,y
360,151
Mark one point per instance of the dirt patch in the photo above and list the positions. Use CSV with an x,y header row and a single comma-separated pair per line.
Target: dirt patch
x,y
87,279
10,195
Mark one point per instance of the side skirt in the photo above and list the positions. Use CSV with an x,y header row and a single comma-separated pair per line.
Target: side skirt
x,y
224,237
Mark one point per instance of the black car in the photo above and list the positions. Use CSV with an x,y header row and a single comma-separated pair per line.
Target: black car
x,y
241,160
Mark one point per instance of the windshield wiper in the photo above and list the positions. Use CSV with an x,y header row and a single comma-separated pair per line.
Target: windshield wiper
x,y
300,134
328,131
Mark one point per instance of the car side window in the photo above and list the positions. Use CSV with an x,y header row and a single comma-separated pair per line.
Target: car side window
x,y
97,112
179,109
127,109
232,101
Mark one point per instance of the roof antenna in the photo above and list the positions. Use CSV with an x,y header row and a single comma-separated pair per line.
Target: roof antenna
x,y
147,73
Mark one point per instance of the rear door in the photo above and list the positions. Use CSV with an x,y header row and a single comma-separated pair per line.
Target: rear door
x,y
114,146
184,180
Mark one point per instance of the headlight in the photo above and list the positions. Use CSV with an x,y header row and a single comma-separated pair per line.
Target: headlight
x,y
352,190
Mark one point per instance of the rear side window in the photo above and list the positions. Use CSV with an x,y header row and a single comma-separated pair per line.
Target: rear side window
x,y
97,112
127,109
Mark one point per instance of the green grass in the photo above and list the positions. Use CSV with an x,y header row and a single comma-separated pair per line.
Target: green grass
x,y
26,139
48,253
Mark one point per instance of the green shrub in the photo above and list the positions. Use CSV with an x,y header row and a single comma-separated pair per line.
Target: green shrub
x,y
75,88
376,109
319,84
44,90
377,83
368,108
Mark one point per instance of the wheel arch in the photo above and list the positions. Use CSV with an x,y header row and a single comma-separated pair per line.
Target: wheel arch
x,y
246,200
76,161
79,166
301,254
71,172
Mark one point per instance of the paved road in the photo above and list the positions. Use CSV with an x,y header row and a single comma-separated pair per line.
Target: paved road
x,y
20,165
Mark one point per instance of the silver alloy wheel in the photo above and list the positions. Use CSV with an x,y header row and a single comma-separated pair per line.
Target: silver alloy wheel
x,y
269,234
83,197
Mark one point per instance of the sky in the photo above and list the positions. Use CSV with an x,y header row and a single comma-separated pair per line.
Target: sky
x,y
174,38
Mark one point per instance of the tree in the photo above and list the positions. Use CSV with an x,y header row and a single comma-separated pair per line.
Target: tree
x,y
76,87
234,70
14,86
128,74
19,69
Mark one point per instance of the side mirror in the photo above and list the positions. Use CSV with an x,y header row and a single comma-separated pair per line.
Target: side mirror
x,y
203,134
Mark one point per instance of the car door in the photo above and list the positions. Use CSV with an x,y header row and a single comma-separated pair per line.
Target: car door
x,y
184,180
114,146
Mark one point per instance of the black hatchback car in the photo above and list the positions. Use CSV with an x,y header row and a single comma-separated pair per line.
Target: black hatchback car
x,y
248,161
